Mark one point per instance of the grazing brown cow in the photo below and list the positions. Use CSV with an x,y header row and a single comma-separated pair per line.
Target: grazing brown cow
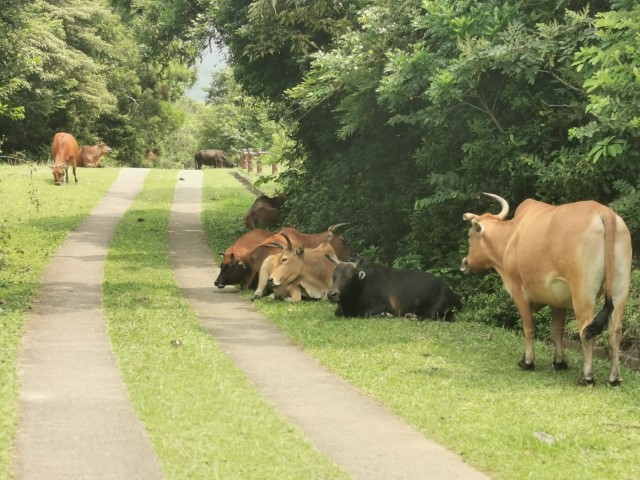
x,y
90,155
65,152
564,257
212,158
243,270
265,211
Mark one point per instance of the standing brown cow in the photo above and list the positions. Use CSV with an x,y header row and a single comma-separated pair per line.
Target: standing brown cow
x,y
65,152
90,155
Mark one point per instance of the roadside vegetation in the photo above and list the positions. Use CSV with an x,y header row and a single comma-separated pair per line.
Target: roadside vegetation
x,y
36,218
203,416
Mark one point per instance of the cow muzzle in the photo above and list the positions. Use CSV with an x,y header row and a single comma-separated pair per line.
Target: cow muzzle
x,y
333,296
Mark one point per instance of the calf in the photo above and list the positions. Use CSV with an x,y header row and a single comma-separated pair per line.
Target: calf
x,y
366,289
302,273
65,152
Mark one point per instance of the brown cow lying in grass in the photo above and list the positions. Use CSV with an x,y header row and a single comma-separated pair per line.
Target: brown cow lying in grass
x,y
90,155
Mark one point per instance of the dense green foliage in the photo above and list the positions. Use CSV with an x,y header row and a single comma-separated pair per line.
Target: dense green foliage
x,y
406,111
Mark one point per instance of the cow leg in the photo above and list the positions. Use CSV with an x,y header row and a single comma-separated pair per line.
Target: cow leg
x,y
376,310
295,294
558,319
74,174
615,336
584,317
529,327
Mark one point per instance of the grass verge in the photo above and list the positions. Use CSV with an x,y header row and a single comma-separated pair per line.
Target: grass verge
x,y
204,418
36,217
458,383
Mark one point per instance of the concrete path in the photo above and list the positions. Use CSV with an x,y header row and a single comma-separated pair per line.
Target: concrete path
x,y
76,421
360,435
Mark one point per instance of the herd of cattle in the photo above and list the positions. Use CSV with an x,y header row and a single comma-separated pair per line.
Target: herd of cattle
x,y
65,153
564,256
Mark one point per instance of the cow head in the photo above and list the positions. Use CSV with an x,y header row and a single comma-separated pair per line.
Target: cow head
x,y
232,271
58,173
288,265
480,255
337,241
346,277
103,148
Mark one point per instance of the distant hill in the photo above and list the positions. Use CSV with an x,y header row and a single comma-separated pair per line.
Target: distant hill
x,y
211,61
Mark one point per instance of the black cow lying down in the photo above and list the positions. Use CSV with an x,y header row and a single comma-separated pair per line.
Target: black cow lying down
x,y
366,289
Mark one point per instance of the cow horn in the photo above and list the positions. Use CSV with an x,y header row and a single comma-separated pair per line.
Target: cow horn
x,y
503,203
277,244
332,259
337,227
289,246
469,216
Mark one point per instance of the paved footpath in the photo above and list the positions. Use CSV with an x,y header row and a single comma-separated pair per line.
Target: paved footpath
x,y
359,434
75,418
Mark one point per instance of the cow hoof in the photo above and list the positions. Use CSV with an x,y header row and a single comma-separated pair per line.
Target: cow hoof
x,y
526,366
559,366
586,382
615,383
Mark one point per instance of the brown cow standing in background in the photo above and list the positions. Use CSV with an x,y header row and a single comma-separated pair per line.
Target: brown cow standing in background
x,y
65,152
90,155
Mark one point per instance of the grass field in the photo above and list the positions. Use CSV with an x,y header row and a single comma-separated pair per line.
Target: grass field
x,y
456,382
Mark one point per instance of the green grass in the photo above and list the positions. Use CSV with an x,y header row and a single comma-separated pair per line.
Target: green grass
x,y
204,418
458,383
36,218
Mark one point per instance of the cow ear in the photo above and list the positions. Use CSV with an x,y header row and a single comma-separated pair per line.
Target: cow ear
x,y
300,250
477,226
361,274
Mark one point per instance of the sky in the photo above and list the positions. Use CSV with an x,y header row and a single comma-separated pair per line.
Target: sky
x,y
212,60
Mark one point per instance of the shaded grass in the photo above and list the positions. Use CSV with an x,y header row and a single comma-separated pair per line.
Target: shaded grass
x,y
458,384
36,218
204,418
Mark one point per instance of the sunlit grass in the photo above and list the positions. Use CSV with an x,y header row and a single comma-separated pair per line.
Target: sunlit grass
x,y
36,218
204,418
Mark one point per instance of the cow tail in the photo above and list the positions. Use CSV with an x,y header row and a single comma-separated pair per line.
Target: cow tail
x,y
601,320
